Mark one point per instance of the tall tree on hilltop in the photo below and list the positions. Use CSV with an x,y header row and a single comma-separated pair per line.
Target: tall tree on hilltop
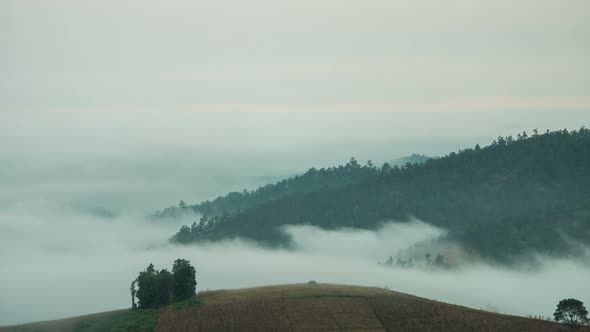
x,y
146,284
185,282
571,312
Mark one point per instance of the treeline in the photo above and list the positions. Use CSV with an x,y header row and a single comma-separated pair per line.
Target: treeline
x,y
154,289
515,196
312,180
429,261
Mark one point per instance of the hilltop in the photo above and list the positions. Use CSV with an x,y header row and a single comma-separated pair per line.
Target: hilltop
x,y
514,197
412,159
309,181
309,307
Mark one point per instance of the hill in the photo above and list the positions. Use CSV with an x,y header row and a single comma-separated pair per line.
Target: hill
x,y
509,199
307,307
312,180
412,159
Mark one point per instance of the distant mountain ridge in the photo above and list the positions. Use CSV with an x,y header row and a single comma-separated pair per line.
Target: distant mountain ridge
x,y
412,159
312,180
529,194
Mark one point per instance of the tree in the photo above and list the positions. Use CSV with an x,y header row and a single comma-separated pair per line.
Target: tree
x,y
386,168
133,292
571,312
146,288
154,289
164,287
185,282
439,261
353,163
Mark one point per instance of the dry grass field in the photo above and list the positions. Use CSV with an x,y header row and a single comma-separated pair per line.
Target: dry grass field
x,y
301,307
336,308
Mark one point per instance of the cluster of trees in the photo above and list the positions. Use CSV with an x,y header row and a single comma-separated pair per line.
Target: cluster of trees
x,y
154,289
515,196
437,262
196,231
312,180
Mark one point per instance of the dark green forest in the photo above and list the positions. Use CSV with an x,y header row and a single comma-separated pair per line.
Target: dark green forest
x,y
516,196
310,181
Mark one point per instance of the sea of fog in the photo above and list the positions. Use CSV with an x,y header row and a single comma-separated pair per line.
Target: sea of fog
x,y
75,187
61,262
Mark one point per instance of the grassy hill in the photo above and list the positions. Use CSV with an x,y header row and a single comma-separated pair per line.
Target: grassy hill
x,y
115,321
301,307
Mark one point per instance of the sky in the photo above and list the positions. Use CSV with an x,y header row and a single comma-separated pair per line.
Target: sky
x,y
323,53
110,110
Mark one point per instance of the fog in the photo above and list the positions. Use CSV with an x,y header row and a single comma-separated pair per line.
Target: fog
x,y
58,262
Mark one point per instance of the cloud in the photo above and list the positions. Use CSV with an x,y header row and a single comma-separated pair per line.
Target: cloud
x,y
390,239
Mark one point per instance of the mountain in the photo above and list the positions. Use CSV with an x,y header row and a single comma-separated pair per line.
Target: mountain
x,y
312,180
412,159
311,307
515,197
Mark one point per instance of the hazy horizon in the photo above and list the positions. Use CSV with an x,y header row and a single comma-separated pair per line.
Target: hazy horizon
x,y
178,54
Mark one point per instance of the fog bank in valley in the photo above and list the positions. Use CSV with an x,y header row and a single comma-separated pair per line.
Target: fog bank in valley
x,y
60,262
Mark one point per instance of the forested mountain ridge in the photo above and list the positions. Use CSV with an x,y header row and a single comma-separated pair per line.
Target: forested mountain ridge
x,y
312,180
515,196
412,159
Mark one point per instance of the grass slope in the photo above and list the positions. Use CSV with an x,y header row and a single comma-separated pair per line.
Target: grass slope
x,y
115,321
300,307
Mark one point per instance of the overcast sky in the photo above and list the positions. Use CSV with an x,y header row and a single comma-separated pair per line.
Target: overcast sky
x,y
397,54
184,94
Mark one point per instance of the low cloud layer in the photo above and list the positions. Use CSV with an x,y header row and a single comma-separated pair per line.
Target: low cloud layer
x,y
58,262
390,239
